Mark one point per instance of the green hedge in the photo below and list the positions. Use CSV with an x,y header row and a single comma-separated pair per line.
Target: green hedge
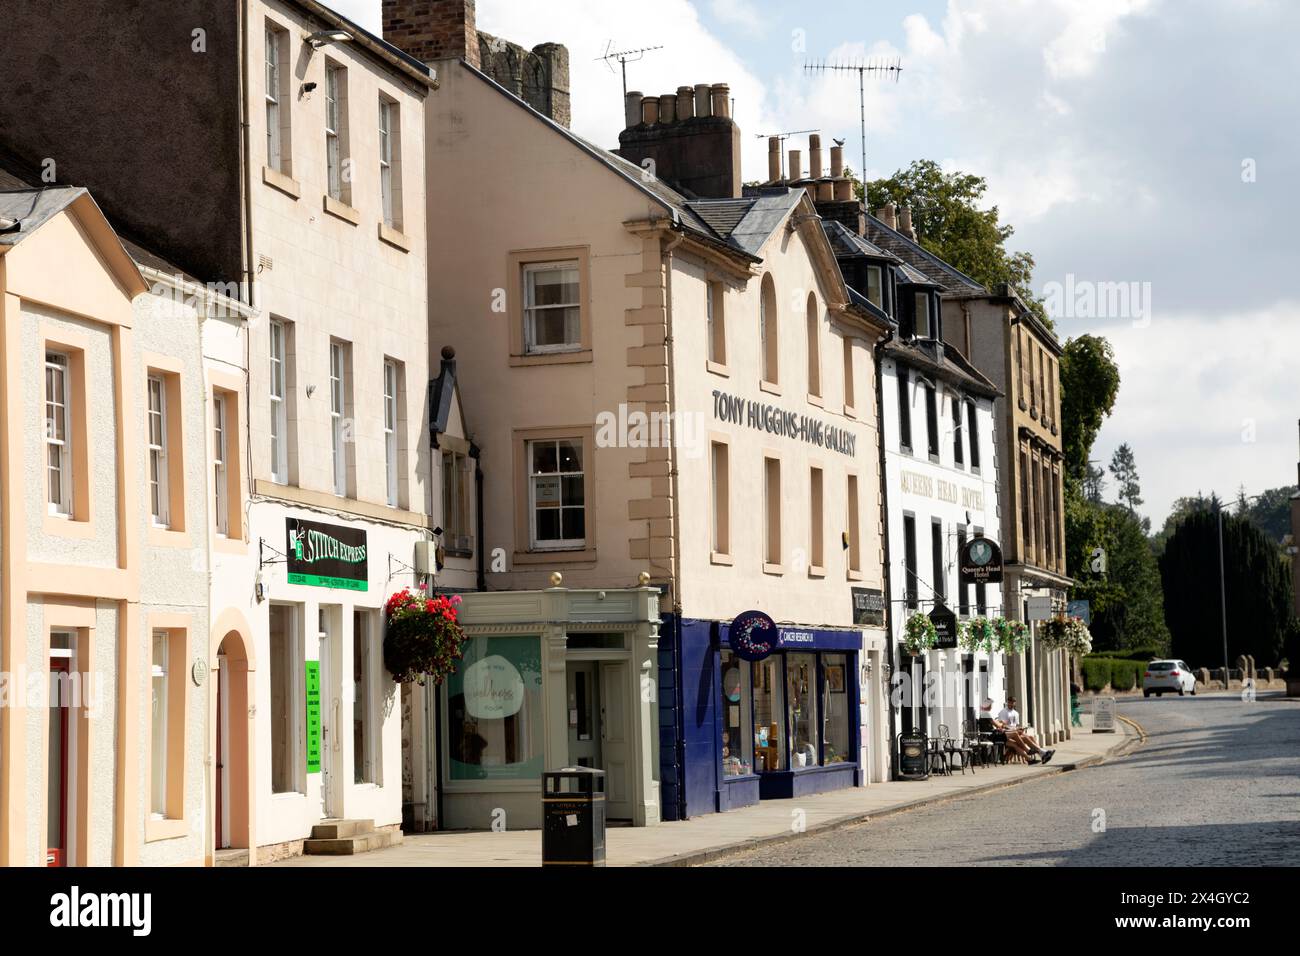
x,y
1096,673
1124,675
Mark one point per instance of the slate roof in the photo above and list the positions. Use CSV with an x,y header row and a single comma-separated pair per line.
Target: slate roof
x,y
921,260
33,208
845,242
945,362
750,221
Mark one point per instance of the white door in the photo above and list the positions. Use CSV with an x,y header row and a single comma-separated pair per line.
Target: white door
x,y
615,747
328,708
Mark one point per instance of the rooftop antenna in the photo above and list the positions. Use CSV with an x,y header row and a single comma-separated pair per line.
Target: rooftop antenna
x,y
862,68
783,137
624,57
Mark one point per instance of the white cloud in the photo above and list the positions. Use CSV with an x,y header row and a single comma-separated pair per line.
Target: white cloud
x,y
739,13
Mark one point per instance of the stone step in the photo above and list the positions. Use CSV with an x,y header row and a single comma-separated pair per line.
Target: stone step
x,y
341,829
230,857
351,845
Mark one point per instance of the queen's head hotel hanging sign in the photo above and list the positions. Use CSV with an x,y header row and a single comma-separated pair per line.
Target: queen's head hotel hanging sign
x,y
326,555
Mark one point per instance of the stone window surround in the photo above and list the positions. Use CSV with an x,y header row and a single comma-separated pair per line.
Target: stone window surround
x,y
516,259
74,344
523,551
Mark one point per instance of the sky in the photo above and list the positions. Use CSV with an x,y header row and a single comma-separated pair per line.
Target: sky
x,y
1147,153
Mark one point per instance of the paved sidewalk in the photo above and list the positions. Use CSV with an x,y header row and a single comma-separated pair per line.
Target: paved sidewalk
x,y
706,837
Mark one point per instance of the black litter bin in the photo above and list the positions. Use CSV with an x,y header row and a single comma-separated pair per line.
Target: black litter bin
x,y
913,756
573,817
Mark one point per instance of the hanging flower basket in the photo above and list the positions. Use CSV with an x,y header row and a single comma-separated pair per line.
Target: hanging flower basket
x,y
919,634
1067,633
976,635
423,639
1009,637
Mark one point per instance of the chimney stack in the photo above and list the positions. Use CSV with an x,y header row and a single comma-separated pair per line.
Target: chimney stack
x,y
773,159
796,166
837,162
432,29
815,156
887,215
905,222
690,136
632,108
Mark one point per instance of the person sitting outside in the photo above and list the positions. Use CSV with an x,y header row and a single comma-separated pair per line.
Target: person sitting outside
x,y
1018,740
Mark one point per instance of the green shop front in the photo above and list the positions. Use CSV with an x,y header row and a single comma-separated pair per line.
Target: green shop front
x,y
549,679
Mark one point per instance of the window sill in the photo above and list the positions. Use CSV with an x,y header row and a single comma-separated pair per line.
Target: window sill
x,y
552,358
278,180
816,400
577,556
717,368
852,575
850,412
342,210
816,571
770,387
67,527
394,237
718,557
155,830
777,569
226,545
167,538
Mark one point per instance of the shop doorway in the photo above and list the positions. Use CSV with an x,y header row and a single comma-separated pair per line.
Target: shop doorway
x,y
331,743
597,700
60,754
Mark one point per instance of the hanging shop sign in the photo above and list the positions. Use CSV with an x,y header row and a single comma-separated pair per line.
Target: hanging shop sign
x,y
753,635
1080,609
981,562
494,689
326,555
738,410
312,682
1039,608
868,607
945,628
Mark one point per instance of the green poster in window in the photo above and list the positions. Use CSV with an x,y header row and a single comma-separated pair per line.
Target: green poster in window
x,y
313,716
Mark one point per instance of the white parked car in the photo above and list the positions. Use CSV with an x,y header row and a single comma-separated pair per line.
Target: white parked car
x,y
1170,676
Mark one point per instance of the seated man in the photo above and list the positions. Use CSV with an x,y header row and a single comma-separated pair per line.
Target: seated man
x,y
1018,740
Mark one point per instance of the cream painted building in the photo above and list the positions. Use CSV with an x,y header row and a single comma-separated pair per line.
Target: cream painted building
x,y
669,390
103,546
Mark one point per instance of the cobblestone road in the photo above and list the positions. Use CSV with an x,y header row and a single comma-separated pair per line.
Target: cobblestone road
x,y
1216,783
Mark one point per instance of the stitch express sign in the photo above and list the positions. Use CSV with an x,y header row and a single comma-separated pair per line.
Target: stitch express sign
x,y
737,410
326,555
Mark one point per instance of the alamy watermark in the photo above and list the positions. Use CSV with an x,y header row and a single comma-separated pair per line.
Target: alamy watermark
x,y
1084,299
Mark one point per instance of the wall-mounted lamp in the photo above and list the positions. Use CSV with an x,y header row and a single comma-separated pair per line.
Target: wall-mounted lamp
x,y
321,37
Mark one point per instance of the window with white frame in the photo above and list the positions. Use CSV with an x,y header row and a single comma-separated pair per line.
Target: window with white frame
x,y
338,412
552,307
158,738
221,498
557,493
156,437
279,409
273,142
390,429
58,444
388,119
335,91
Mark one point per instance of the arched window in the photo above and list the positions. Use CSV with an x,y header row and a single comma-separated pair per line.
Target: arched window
x,y
814,347
768,330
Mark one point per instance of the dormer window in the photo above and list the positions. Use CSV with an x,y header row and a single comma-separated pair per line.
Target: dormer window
x,y
875,289
922,324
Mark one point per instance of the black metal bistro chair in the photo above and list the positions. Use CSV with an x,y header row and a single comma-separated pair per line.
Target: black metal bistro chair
x,y
981,747
996,738
940,757
960,751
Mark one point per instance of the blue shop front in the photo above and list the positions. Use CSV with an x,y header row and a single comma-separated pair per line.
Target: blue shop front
x,y
749,713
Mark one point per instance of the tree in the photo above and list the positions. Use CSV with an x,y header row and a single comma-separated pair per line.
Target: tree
x,y
1089,387
1126,602
1182,507
949,223
1094,484
1270,511
1257,584
1124,467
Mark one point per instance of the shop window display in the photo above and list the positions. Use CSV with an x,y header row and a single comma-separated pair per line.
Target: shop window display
x,y
736,720
801,694
769,701
494,710
835,708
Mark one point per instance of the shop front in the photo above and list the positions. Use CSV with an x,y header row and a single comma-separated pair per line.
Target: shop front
x,y
767,711
549,679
